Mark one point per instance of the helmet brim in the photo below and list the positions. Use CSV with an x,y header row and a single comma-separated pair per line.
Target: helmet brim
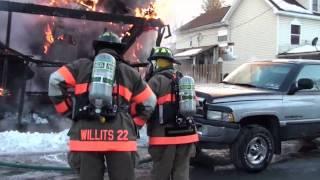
x,y
118,47
165,57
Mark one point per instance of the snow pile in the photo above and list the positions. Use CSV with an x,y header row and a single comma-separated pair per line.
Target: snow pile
x,y
14,142
291,7
304,49
35,119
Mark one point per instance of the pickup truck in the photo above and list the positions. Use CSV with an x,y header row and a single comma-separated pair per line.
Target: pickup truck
x,y
257,106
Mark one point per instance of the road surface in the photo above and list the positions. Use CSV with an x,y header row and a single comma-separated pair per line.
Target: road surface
x,y
291,165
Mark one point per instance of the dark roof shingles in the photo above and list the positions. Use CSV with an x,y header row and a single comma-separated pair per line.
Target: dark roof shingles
x,y
293,2
210,17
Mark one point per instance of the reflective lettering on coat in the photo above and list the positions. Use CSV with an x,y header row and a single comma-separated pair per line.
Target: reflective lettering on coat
x,y
103,135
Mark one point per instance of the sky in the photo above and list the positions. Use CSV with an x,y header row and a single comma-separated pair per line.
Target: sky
x,y
179,12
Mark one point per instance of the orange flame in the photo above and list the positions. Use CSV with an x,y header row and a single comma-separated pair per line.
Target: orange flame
x,y
49,39
4,92
148,13
90,5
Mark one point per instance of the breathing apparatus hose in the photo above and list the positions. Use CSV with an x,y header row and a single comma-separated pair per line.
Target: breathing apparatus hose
x,y
17,165
34,167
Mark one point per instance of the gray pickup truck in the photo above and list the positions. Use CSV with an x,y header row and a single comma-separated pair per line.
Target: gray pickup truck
x,y
258,106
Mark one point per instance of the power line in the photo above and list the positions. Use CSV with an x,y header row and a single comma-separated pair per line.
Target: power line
x,y
252,19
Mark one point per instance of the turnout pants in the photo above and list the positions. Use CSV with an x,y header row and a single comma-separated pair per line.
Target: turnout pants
x,y
91,165
171,161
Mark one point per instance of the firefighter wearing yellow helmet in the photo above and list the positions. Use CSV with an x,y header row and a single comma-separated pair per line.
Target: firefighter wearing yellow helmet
x,y
171,129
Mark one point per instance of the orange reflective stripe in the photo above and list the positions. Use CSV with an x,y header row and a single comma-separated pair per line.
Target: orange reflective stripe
x,y
127,146
67,75
133,109
62,107
143,96
81,88
124,92
138,121
166,99
174,140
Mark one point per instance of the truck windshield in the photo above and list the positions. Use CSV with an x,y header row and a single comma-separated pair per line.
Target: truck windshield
x,y
267,76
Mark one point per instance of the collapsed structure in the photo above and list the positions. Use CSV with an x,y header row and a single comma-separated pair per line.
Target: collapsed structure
x,y
17,68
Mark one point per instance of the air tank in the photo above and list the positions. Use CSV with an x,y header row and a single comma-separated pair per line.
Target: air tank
x,y
102,80
187,95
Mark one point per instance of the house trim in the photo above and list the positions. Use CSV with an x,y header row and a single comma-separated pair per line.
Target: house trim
x,y
305,16
236,3
202,28
234,6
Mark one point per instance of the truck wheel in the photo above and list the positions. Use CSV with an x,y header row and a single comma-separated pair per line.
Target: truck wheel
x,y
253,150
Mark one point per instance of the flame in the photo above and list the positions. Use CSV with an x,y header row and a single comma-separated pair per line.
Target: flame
x,y
61,37
49,39
4,92
148,13
90,5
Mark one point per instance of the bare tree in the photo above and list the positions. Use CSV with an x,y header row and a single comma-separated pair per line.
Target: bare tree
x,y
212,4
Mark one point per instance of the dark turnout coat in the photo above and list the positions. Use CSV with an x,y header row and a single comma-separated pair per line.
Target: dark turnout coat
x,y
117,134
161,85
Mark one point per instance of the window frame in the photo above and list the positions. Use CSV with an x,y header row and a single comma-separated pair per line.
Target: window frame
x,y
223,35
295,34
313,6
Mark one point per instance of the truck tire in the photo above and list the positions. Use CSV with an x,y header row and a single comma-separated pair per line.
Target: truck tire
x,y
253,150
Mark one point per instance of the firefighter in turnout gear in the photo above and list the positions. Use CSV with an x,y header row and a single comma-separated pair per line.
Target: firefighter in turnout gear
x,y
102,131
172,137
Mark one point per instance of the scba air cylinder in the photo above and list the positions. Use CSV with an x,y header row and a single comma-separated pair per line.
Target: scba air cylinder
x,y
187,95
102,80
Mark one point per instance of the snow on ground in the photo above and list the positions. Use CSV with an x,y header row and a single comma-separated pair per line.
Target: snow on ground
x,y
304,49
291,7
14,142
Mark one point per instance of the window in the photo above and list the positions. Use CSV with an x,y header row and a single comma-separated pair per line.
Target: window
x,y
266,76
222,38
311,72
295,34
315,5
222,35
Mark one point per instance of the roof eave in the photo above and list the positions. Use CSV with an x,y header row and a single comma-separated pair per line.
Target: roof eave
x,y
300,15
205,27
235,5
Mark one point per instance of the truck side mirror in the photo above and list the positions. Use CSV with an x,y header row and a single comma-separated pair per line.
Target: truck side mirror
x,y
305,84
300,85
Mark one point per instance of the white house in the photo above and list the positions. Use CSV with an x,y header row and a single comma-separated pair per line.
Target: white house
x,y
249,30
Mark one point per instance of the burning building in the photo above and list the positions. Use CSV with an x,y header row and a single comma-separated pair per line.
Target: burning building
x,y
43,35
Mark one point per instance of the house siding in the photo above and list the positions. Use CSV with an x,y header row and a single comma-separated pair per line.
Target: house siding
x,y
253,29
199,38
309,30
